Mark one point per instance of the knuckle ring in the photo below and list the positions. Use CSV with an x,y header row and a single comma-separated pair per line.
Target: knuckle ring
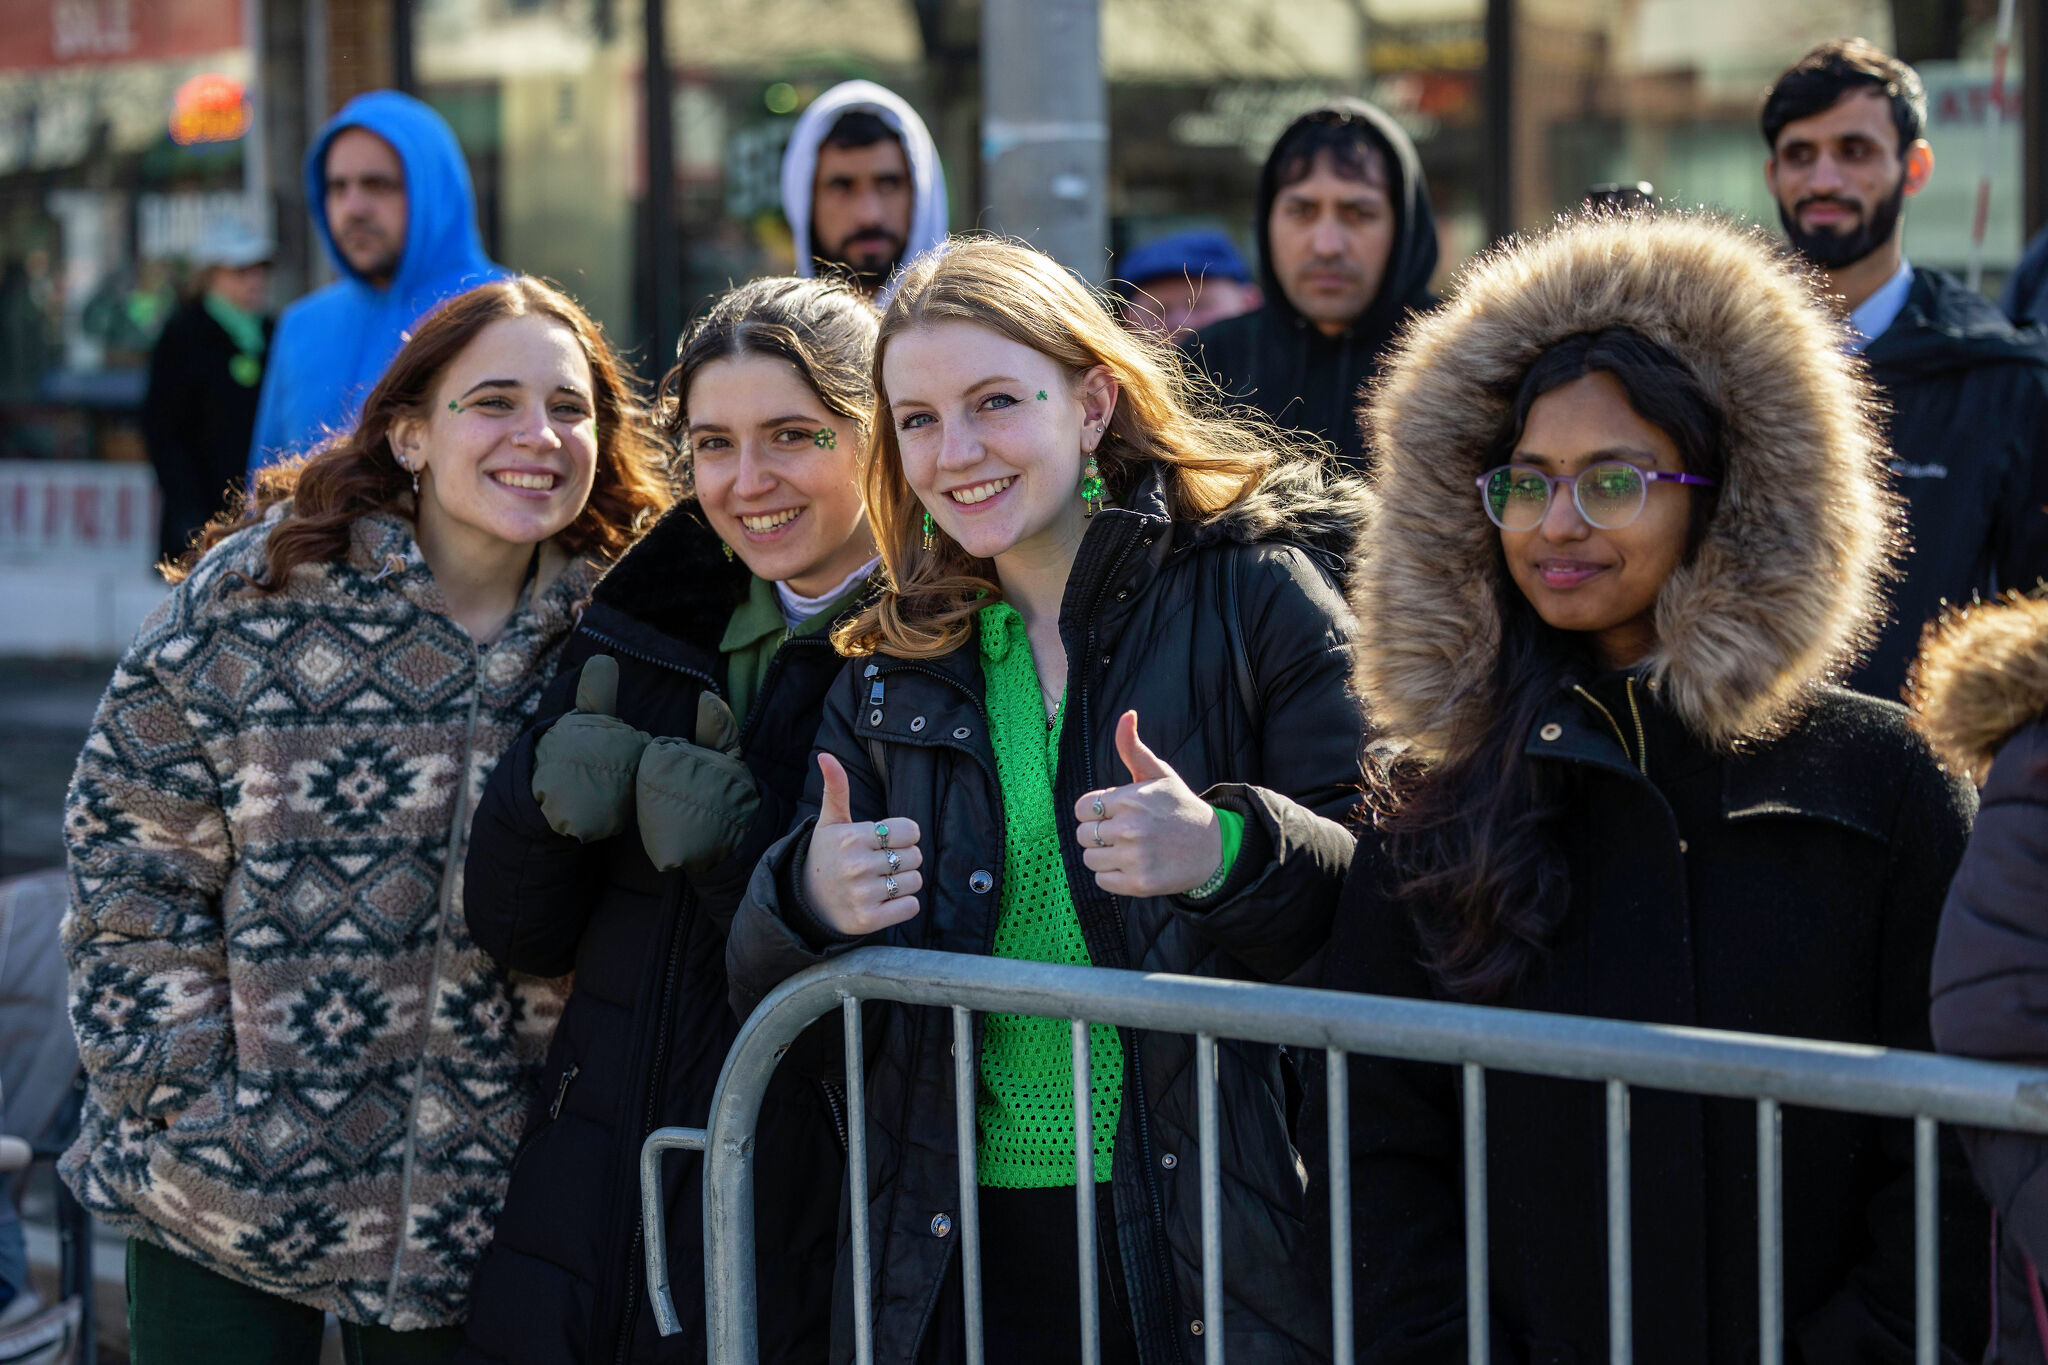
x,y
881,836
1099,811
895,861
889,885
1100,842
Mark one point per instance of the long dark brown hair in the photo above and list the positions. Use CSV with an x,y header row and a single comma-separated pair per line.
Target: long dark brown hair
x,y
1476,844
324,494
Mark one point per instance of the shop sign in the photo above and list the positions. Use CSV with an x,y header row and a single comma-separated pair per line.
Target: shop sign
x,y
46,33
209,108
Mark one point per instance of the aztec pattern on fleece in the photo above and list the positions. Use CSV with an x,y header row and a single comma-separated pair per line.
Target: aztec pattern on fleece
x,y
304,1075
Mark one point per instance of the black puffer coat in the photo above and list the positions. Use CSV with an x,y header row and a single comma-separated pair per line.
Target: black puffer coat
x,y
1983,695
1147,624
646,1030
1744,847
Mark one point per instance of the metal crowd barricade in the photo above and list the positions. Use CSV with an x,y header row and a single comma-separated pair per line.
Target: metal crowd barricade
x,y
1928,1089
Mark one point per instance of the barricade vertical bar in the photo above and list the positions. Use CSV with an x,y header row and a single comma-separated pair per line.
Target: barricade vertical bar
x,y
1337,1068
1770,1251
1212,1200
1084,1198
1926,1255
1620,1270
970,1178
857,1180
1478,1292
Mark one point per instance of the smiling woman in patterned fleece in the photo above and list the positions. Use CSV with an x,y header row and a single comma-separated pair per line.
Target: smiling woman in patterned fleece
x,y
306,1080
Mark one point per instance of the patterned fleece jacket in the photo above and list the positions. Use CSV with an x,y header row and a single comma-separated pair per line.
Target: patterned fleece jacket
x,y
304,1075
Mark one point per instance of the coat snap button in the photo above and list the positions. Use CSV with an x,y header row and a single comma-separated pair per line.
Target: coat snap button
x,y
941,1225
1122,593
875,716
1684,847
1196,1327
916,723
979,881
961,732
1169,1161
1550,732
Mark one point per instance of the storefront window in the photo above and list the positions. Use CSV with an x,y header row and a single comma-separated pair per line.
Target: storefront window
x,y
544,96
1669,91
122,129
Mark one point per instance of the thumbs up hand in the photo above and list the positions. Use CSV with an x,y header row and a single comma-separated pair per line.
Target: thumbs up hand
x,y
1153,836
583,766
860,876
696,800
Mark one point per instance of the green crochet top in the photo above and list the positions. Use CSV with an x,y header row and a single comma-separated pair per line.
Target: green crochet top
x,y
1025,1105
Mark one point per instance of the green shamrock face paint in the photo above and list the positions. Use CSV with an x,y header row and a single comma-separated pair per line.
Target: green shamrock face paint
x,y
1041,395
826,439
454,406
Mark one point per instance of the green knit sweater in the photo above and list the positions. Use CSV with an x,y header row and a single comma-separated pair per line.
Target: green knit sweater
x,y
1026,1102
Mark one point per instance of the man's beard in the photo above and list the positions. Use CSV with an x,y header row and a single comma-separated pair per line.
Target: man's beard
x,y
1835,250
839,262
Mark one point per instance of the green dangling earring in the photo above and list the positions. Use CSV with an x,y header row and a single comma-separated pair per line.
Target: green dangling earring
x,y
927,530
1091,482
728,552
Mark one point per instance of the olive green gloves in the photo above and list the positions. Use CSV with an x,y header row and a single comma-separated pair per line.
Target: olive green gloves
x,y
583,766
696,800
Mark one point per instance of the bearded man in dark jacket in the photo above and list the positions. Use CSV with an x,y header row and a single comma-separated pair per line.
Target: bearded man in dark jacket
x,y
1347,245
1968,392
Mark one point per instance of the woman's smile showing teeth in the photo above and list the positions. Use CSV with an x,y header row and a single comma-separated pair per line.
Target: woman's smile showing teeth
x,y
980,492
538,480
762,523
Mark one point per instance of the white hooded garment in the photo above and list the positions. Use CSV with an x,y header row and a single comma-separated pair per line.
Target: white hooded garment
x,y
800,169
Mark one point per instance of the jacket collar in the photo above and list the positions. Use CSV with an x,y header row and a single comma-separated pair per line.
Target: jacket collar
x,y
1771,781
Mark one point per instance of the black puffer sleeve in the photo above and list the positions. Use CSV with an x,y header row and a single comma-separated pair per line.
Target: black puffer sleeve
x,y
1274,912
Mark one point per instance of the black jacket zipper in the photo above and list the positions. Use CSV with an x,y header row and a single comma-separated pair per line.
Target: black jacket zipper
x,y
1162,1264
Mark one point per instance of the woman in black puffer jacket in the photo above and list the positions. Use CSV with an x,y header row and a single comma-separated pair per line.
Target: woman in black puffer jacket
x,y
1074,542
591,851
1980,689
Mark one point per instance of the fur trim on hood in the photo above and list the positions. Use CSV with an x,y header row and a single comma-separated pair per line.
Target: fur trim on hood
x,y
1310,502
1788,583
1981,676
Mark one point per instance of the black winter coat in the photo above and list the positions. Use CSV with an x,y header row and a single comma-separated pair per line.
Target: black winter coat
x,y
646,1030
1274,359
1147,623
1790,889
1969,435
1990,970
196,421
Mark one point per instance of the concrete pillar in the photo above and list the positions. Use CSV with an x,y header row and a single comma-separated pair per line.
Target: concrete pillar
x,y
1044,128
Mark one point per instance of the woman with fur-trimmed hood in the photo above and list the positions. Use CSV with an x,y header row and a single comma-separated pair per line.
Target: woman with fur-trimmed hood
x,y
1628,522
1981,691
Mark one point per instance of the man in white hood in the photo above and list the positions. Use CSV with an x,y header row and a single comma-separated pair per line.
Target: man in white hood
x,y
862,186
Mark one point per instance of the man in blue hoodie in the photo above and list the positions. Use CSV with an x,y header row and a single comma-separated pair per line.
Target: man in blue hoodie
x,y
390,197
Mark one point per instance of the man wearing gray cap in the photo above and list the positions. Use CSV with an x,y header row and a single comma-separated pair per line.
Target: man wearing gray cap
x,y
204,376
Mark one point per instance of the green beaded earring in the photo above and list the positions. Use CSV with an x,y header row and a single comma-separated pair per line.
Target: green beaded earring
x,y
927,530
1091,482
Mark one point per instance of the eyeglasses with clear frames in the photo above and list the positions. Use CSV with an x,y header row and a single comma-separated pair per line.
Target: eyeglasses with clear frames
x,y
1608,495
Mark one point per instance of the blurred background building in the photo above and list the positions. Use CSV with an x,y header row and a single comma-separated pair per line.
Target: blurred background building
x,y
127,125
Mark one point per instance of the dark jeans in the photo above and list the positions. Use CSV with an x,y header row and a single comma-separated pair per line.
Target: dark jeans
x,y
181,1313
1031,1284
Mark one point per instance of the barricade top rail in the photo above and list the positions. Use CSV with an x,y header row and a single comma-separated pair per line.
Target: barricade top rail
x,y
1802,1072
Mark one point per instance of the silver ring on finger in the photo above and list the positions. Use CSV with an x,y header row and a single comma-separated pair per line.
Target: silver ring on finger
x,y
1100,842
1098,807
895,859
881,836
889,885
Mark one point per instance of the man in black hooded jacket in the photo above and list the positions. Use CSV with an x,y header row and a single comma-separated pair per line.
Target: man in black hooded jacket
x,y
1347,245
1968,392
